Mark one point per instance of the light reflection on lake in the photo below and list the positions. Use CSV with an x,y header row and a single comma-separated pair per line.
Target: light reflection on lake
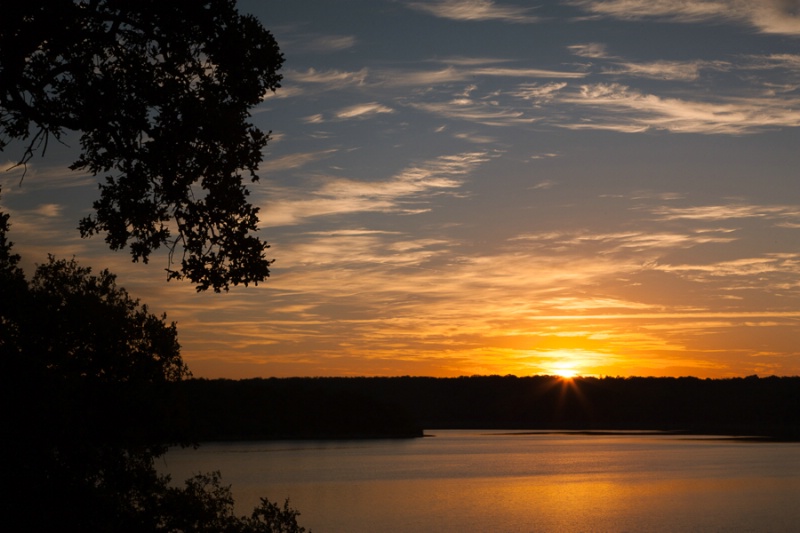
x,y
494,481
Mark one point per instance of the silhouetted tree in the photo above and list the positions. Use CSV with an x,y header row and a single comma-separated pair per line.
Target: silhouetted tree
x,y
160,92
86,375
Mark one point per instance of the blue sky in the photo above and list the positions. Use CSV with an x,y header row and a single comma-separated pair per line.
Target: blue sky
x,y
478,187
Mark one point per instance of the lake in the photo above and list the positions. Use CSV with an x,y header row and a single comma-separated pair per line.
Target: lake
x,y
494,481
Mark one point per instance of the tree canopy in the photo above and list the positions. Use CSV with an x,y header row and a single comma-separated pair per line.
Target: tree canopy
x,y
160,94
87,379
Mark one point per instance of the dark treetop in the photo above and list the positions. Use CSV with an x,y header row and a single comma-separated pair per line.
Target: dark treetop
x,y
160,93
87,381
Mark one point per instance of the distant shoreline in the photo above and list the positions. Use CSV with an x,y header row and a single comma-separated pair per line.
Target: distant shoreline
x,y
693,435
751,408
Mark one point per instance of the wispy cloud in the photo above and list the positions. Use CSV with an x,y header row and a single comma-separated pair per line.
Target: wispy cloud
x,y
785,61
682,10
49,210
537,92
525,73
768,16
363,110
475,10
321,44
728,212
590,50
342,195
619,108
457,69
327,79
466,73
480,112
471,61
666,70
297,160
627,242
38,177
629,300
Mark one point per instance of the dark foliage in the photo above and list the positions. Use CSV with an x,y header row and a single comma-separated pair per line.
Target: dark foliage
x,y
295,408
766,407
160,92
88,380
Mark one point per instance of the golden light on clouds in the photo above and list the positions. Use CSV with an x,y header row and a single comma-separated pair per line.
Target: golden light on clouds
x,y
449,208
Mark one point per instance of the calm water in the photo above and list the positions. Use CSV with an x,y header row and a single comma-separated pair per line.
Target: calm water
x,y
463,481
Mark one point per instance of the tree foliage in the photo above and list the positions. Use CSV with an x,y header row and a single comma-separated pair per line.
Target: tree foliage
x,y
87,378
160,92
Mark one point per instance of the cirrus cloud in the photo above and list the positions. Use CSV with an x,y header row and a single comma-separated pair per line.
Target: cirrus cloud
x,y
768,16
475,10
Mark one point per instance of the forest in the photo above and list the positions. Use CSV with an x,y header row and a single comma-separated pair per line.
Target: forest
x,y
397,407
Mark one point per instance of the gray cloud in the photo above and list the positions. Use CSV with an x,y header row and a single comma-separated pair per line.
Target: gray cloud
x,y
475,10
768,16
620,108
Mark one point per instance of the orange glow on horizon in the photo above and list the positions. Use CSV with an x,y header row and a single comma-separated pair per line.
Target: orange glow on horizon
x,y
569,363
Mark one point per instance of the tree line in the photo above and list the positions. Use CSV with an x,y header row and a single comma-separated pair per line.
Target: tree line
x,y
405,406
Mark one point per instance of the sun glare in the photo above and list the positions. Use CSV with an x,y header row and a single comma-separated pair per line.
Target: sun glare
x,y
566,373
567,366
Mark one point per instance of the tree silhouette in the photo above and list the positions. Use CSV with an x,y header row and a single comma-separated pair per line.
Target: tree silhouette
x,y
87,376
160,93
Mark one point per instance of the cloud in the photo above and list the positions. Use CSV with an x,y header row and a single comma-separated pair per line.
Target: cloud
x,y
728,212
679,10
538,92
427,299
774,16
590,50
767,16
481,112
626,242
476,138
620,108
745,266
525,73
41,177
49,210
790,61
546,184
297,160
336,196
471,61
279,94
666,70
316,118
327,79
322,44
363,110
475,10
450,74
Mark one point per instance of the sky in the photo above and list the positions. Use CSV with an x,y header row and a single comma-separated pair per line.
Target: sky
x,y
498,187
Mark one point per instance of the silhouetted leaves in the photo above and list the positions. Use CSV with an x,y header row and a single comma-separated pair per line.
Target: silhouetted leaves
x,y
88,377
160,92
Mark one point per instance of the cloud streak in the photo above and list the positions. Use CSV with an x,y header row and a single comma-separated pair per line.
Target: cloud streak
x,y
363,110
398,194
621,108
475,10
666,70
767,16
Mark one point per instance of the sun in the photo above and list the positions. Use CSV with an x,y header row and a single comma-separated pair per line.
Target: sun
x,y
567,366
566,373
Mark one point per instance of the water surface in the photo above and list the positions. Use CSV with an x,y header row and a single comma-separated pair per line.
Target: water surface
x,y
501,481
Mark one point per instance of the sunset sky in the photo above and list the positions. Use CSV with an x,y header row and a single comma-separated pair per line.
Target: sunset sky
x,y
476,187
